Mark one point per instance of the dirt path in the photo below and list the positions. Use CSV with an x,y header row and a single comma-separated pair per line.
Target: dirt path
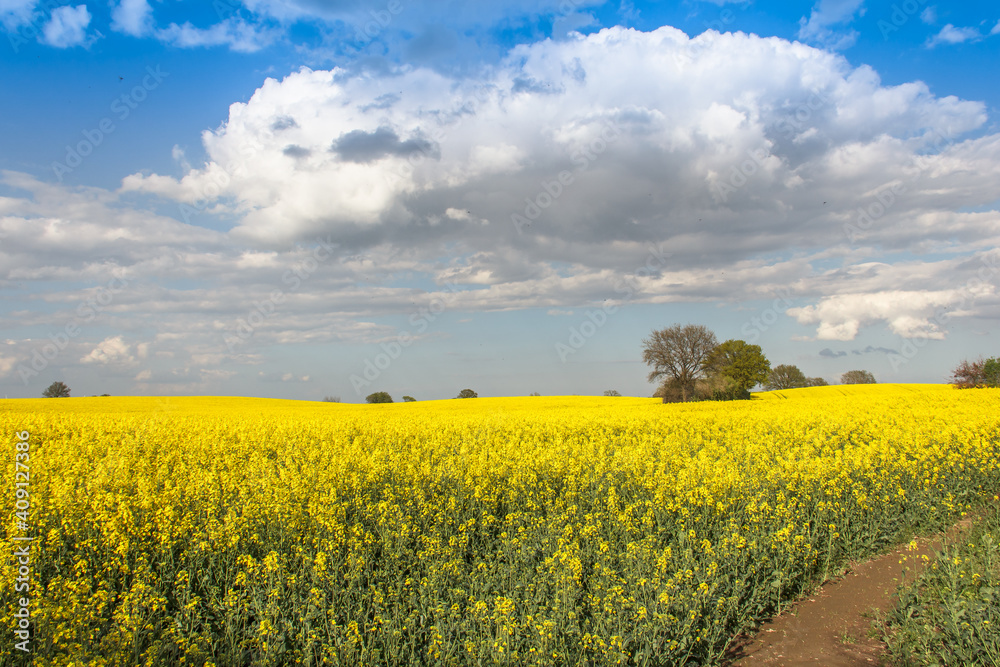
x,y
832,626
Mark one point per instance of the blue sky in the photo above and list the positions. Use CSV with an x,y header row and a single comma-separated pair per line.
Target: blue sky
x,y
303,198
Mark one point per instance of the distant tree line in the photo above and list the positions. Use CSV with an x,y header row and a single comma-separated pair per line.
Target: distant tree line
x,y
384,397
690,364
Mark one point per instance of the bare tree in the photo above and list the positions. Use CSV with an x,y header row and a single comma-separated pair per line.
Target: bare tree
x,y
677,355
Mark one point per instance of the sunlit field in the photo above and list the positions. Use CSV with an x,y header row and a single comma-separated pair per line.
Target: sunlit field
x,y
489,531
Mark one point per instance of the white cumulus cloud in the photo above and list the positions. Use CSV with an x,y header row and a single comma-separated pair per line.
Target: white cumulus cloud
x,y
67,26
112,350
132,17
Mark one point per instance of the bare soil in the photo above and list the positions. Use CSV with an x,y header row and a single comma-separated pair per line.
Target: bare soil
x,y
836,626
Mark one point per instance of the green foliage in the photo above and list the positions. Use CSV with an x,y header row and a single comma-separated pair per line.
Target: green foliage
x,y
677,355
816,382
534,393
951,614
409,399
56,390
467,393
744,365
785,376
611,392
331,399
379,397
731,393
977,374
857,377
991,372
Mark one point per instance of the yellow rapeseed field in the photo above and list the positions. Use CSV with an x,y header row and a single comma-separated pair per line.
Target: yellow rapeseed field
x,y
505,531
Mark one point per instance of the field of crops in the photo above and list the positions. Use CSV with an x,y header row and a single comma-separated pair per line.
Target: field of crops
x,y
506,531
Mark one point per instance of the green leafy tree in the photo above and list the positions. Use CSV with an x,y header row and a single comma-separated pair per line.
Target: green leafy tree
x,y
857,377
409,399
677,355
534,393
816,382
742,364
379,397
785,376
56,390
991,372
467,393
331,399
979,373
611,392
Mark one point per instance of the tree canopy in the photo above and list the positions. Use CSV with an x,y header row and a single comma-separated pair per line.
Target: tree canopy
x,y
677,355
979,373
786,376
379,397
744,365
467,393
56,390
857,377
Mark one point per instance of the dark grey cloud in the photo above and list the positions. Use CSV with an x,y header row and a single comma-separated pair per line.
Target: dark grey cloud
x,y
283,123
296,151
382,102
830,354
363,147
870,349
526,84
